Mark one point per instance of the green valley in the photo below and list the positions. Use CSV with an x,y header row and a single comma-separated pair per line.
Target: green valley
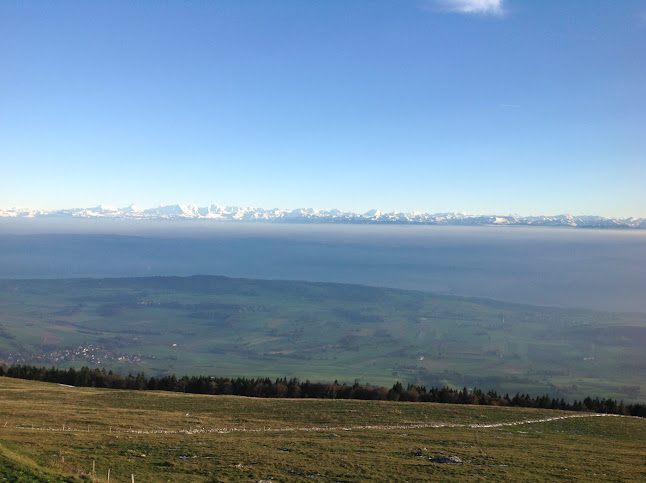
x,y
320,331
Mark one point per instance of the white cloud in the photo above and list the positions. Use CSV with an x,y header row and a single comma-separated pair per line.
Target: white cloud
x,y
482,7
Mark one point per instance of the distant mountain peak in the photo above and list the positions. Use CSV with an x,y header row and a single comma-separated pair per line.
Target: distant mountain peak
x,y
216,212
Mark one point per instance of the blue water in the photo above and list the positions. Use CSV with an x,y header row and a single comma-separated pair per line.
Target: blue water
x,y
546,266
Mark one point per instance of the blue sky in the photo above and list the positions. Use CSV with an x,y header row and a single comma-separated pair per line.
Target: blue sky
x,y
480,106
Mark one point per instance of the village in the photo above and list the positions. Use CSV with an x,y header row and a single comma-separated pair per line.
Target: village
x,y
90,353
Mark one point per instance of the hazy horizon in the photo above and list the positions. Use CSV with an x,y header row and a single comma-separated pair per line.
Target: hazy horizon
x,y
586,268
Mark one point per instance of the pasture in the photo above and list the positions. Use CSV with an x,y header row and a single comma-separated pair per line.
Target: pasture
x,y
54,433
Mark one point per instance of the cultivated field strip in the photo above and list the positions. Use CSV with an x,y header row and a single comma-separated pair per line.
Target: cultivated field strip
x,y
374,427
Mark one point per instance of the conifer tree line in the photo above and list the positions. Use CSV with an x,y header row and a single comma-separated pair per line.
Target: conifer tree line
x,y
294,388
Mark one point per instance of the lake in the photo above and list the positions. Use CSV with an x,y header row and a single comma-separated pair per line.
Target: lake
x,y
597,269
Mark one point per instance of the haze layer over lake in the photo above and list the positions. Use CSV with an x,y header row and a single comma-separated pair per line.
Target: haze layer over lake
x,y
596,269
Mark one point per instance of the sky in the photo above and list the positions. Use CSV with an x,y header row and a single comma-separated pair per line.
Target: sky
x,y
475,106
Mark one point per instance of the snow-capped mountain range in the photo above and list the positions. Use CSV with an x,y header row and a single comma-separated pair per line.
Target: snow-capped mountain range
x,y
309,215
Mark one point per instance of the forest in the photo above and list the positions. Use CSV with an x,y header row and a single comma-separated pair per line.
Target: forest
x,y
293,388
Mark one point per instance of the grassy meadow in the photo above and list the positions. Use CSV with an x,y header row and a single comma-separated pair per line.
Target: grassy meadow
x,y
322,332
54,433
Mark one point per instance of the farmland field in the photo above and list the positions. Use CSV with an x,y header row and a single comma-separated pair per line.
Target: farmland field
x,y
320,331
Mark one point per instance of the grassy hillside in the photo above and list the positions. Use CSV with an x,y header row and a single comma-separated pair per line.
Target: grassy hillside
x,y
321,331
54,433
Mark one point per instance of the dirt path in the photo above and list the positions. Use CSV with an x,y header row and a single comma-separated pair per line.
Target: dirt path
x,y
375,427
